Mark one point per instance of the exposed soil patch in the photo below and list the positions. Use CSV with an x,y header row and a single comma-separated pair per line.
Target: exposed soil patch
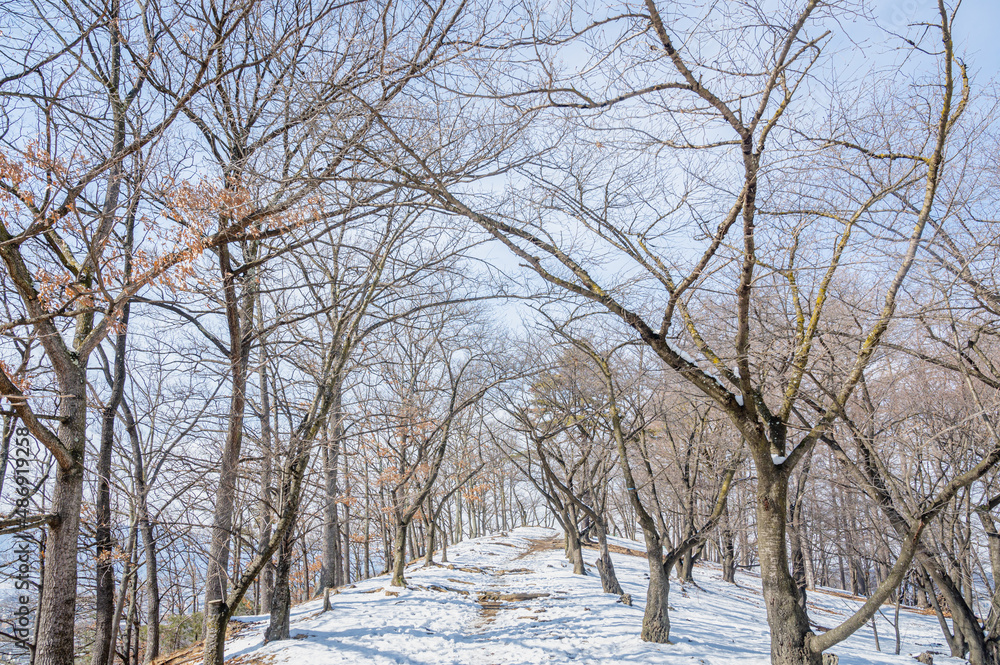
x,y
251,659
514,571
444,589
470,569
618,549
542,545
496,596
491,602
195,652
557,542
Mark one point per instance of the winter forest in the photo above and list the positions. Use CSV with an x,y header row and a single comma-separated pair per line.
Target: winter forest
x,y
306,295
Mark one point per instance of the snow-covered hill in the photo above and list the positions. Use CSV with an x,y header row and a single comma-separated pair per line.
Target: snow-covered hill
x,y
512,599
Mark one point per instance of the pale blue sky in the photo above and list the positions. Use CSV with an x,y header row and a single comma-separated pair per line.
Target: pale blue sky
x,y
979,25
976,30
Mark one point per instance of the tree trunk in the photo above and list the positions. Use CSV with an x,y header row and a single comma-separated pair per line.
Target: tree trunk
x,y
57,605
265,510
399,556
291,497
332,565
444,544
130,569
728,549
687,563
281,601
571,538
345,548
431,538
216,573
574,550
145,527
656,618
412,541
785,615
797,536
152,587
728,560
132,651
967,637
992,623
798,561
104,598
955,643
605,567
8,432
306,581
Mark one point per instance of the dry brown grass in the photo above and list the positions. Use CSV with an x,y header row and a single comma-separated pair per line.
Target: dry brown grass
x,y
195,652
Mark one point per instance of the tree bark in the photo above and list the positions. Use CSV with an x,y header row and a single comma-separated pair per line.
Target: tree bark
x,y
265,509
291,496
57,606
574,549
399,556
281,601
656,618
785,615
605,567
431,535
104,597
216,574
152,586
728,550
332,557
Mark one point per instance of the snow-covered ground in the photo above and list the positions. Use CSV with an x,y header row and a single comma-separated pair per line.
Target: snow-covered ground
x,y
439,619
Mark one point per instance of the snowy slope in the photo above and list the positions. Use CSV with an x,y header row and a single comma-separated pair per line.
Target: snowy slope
x,y
440,621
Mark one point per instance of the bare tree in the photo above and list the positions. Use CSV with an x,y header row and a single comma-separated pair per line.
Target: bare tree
x,y
437,377
66,195
574,452
737,121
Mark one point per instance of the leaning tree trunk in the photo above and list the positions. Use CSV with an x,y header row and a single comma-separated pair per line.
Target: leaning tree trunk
x,y
291,497
955,640
968,635
992,623
605,567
